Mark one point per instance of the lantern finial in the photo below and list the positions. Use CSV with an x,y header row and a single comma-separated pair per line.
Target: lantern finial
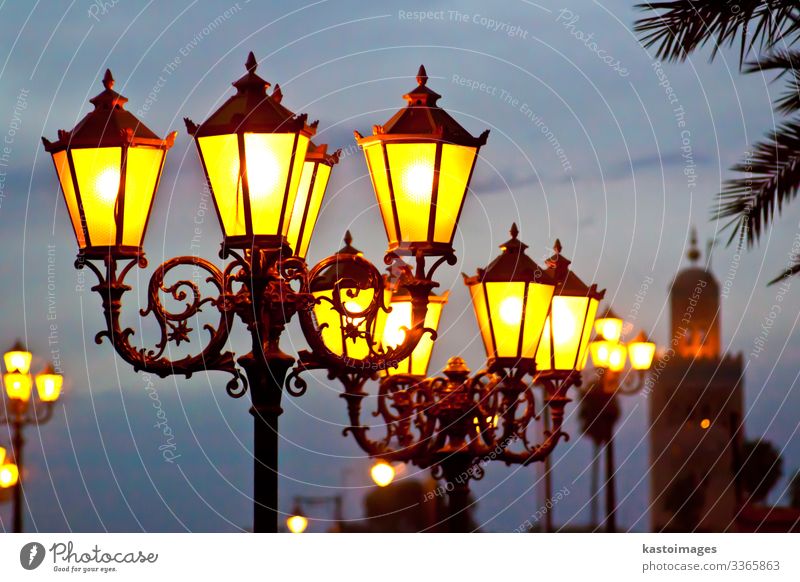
x,y
251,64
348,238
514,230
422,76
108,80
694,253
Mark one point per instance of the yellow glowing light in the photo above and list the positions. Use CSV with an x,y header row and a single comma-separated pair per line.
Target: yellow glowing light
x,y
18,386
264,169
600,351
511,310
2,455
107,184
564,328
616,357
641,354
297,524
9,475
18,361
418,180
48,385
609,328
705,423
382,473
354,307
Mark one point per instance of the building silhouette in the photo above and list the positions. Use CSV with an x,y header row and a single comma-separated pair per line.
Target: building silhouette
x,y
695,395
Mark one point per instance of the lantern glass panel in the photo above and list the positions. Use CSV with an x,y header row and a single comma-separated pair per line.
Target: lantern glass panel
x,y
412,167
380,184
221,160
454,173
641,354
269,160
572,326
506,311
482,315
307,205
18,361
393,335
65,178
141,176
49,386
18,386
98,173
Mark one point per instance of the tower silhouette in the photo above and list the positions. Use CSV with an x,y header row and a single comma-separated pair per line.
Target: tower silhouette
x,y
695,407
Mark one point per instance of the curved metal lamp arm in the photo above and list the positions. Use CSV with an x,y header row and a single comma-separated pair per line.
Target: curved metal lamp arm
x,y
173,326
555,399
378,358
632,382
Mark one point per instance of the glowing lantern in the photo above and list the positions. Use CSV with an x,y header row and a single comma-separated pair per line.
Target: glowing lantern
x,y
511,298
569,322
641,352
9,475
341,333
609,327
18,386
48,384
310,192
421,162
382,473
601,352
18,359
616,358
253,150
399,319
109,166
297,523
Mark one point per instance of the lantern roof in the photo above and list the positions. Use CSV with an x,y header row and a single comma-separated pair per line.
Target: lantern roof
x,y
319,153
108,125
252,110
513,265
338,271
422,118
567,282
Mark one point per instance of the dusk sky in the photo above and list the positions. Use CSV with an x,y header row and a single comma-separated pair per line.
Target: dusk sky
x,y
592,141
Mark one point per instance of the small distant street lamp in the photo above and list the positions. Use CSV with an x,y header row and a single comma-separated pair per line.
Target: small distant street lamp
x,y
599,408
20,411
382,474
298,522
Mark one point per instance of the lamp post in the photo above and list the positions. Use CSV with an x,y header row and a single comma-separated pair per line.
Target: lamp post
x,y
267,181
455,423
600,410
297,522
20,412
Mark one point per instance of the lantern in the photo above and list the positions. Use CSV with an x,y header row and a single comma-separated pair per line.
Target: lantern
x,y
253,150
341,333
616,357
313,182
421,162
48,384
9,475
511,298
601,352
399,319
109,166
297,522
18,386
18,359
641,352
609,326
569,321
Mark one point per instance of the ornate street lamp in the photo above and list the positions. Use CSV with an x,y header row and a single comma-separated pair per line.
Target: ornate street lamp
x,y
421,163
599,399
267,181
455,423
19,413
297,522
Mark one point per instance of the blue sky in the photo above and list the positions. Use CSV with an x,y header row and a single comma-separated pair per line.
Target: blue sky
x,y
580,149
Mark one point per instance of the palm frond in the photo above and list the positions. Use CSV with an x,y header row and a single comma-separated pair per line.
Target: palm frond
x,y
682,26
788,272
786,62
771,178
